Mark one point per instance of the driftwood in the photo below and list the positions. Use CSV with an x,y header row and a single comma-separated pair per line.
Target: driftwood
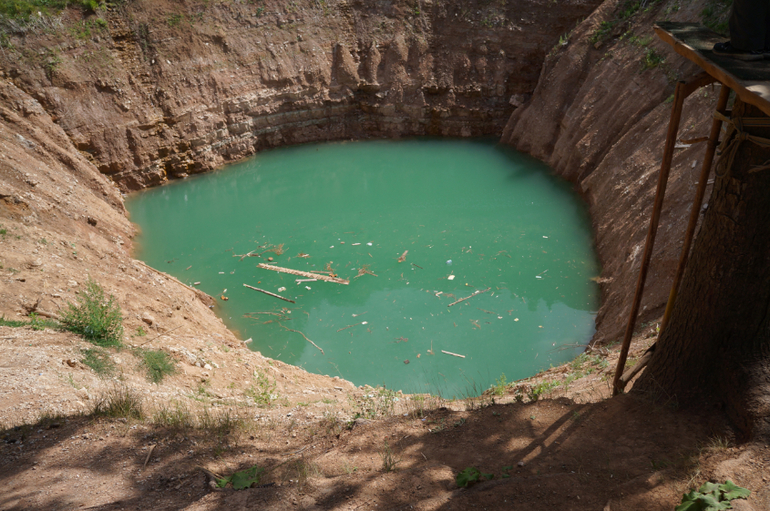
x,y
305,274
351,326
305,336
269,293
477,292
403,256
453,354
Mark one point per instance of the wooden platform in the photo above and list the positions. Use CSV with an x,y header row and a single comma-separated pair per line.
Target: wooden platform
x,y
749,80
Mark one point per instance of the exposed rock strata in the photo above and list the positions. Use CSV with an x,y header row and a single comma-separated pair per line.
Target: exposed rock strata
x,y
173,89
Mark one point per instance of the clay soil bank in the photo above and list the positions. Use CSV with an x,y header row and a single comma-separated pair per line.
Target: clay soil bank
x,y
159,90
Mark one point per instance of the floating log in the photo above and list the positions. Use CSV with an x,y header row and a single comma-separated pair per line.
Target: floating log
x,y
453,354
305,336
478,292
303,274
269,293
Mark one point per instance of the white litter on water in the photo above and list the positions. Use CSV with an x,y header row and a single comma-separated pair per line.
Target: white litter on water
x,y
281,289
451,277
370,243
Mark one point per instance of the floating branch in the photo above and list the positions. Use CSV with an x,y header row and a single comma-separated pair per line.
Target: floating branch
x,y
453,354
403,256
351,326
478,292
364,270
305,336
269,293
302,274
417,266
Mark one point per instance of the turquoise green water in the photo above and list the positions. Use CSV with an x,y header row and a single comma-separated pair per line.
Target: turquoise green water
x,y
472,216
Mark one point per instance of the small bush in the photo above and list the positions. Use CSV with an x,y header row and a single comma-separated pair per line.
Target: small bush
x,y
97,319
262,391
158,365
119,403
98,360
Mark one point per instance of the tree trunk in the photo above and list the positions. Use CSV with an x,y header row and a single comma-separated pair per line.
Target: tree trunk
x,y
716,349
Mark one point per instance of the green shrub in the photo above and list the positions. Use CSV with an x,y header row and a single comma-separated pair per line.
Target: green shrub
x,y
158,365
95,318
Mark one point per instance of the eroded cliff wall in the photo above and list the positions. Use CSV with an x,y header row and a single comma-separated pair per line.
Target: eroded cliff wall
x,y
599,117
160,89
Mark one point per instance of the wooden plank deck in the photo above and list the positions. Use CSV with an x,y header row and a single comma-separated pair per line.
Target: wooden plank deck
x,y
749,80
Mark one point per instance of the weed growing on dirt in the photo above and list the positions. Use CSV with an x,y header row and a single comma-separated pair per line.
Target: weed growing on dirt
x,y
158,364
712,496
99,360
242,479
541,389
499,387
379,402
262,391
119,403
178,417
470,476
94,317
389,459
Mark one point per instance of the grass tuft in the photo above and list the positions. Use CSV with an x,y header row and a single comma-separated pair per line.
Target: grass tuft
x,y
119,403
158,364
99,360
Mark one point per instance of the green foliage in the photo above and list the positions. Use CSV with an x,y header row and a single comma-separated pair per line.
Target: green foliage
x,y
380,402
23,10
652,59
471,476
541,388
498,388
98,360
262,390
35,321
83,29
716,14
603,31
97,319
119,402
243,478
712,497
178,417
389,460
158,364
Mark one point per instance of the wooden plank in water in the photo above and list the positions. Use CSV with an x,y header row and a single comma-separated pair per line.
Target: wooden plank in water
x,y
749,80
309,275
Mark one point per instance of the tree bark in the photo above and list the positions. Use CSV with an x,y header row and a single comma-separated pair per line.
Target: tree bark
x,y
716,349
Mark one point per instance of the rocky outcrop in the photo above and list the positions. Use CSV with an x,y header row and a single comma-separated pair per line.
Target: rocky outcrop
x,y
157,90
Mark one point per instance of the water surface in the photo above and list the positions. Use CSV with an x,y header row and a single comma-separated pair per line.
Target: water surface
x,y
470,216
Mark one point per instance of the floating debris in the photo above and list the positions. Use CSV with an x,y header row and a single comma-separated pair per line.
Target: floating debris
x,y
451,277
331,278
270,294
453,354
477,292
403,256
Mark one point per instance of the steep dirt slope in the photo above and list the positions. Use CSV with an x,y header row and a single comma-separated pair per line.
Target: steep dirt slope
x,y
599,116
161,89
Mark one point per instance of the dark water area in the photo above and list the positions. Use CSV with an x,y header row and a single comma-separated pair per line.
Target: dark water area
x,y
472,217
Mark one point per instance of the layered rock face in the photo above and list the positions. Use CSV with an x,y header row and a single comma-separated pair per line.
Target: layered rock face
x,y
159,90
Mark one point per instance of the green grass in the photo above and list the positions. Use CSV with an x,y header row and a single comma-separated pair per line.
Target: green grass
x,y
716,14
99,360
23,10
119,403
158,364
262,391
96,318
35,321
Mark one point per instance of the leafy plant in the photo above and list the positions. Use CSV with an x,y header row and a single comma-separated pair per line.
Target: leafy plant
x,y
471,476
712,497
380,402
242,479
389,459
540,389
498,388
158,365
97,319
262,391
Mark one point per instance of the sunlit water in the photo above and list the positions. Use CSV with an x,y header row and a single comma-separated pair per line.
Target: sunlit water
x,y
472,215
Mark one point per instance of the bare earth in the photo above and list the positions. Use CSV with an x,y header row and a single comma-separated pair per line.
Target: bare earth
x,y
556,441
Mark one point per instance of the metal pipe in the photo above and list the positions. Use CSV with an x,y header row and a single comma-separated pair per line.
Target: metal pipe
x,y
665,167
708,159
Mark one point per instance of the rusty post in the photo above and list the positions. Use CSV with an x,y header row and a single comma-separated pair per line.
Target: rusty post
x,y
665,167
708,159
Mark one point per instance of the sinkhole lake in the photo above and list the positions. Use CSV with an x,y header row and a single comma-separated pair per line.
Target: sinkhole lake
x,y
415,226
